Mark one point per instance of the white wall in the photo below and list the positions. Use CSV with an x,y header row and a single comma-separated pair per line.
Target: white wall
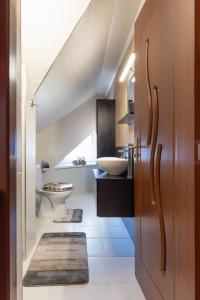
x,y
81,178
46,25
55,142
28,164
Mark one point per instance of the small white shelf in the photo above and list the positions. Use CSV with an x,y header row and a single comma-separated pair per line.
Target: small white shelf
x,y
71,166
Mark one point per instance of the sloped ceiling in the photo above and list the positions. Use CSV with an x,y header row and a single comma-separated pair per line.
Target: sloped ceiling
x,y
123,19
46,25
87,63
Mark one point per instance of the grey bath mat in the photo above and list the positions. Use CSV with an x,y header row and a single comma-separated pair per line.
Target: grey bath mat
x,y
72,216
60,259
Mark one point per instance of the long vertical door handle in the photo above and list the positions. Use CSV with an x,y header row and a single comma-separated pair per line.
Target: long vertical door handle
x,y
154,142
149,134
136,151
160,210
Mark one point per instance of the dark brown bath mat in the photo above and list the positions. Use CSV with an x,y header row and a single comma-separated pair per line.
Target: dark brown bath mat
x,y
72,216
59,259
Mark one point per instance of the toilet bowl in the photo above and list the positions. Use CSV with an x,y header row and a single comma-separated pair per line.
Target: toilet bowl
x,y
52,197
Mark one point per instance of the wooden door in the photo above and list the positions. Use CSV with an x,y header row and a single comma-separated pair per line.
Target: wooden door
x,y
7,151
154,133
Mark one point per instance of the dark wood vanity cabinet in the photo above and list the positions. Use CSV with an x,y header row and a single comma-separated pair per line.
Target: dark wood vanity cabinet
x,y
114,195
162,218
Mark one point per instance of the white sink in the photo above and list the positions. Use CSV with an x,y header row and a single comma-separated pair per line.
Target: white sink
x,y
113,165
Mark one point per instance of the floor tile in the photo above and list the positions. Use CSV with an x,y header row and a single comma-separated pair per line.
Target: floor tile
x,y
90,218
43,293
98,270
89,212
121,269
127,292
118,247
84,292
85,201
58,227
88,292
111,221
114,232
92,231
47,225
95,248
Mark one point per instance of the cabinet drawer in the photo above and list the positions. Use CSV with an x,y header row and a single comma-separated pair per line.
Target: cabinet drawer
x,y
115,198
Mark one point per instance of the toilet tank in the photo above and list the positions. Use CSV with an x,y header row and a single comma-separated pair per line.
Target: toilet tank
x,y
39,181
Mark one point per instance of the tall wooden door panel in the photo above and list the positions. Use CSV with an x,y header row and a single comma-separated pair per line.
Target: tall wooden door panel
x,y
105,112
7,150
154,92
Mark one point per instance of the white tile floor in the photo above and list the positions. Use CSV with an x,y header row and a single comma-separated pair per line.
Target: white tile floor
x,y
110,258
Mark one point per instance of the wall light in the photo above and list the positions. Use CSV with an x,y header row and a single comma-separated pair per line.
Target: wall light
x,y
133,79
128,66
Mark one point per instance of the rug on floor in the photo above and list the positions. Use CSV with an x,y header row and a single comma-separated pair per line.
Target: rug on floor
x,y
59,259
72,216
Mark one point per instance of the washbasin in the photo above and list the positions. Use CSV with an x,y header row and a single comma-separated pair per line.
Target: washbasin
x,y
113,165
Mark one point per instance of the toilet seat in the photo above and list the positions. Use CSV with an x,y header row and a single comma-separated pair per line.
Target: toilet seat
x,y
55,193
57,187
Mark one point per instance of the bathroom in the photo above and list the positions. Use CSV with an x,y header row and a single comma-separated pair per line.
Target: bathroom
x,y
99,149
64,137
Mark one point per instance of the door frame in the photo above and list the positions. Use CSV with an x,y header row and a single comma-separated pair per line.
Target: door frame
x,y
197,143
8,149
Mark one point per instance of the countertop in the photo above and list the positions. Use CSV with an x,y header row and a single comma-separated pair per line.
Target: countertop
x,y
99,175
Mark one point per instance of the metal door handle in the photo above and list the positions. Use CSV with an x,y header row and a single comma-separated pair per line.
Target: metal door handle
x,y
155,179
160,211
154,142
149,134
136,150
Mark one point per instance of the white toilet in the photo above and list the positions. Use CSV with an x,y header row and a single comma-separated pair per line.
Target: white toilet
x,y
51,197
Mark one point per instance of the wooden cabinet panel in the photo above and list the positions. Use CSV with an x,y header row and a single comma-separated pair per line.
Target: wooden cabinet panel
x,y
154,92
164,134
114,195
114,198
105,110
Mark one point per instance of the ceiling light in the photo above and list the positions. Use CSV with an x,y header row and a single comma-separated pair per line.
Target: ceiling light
x,y
133,79
128,66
